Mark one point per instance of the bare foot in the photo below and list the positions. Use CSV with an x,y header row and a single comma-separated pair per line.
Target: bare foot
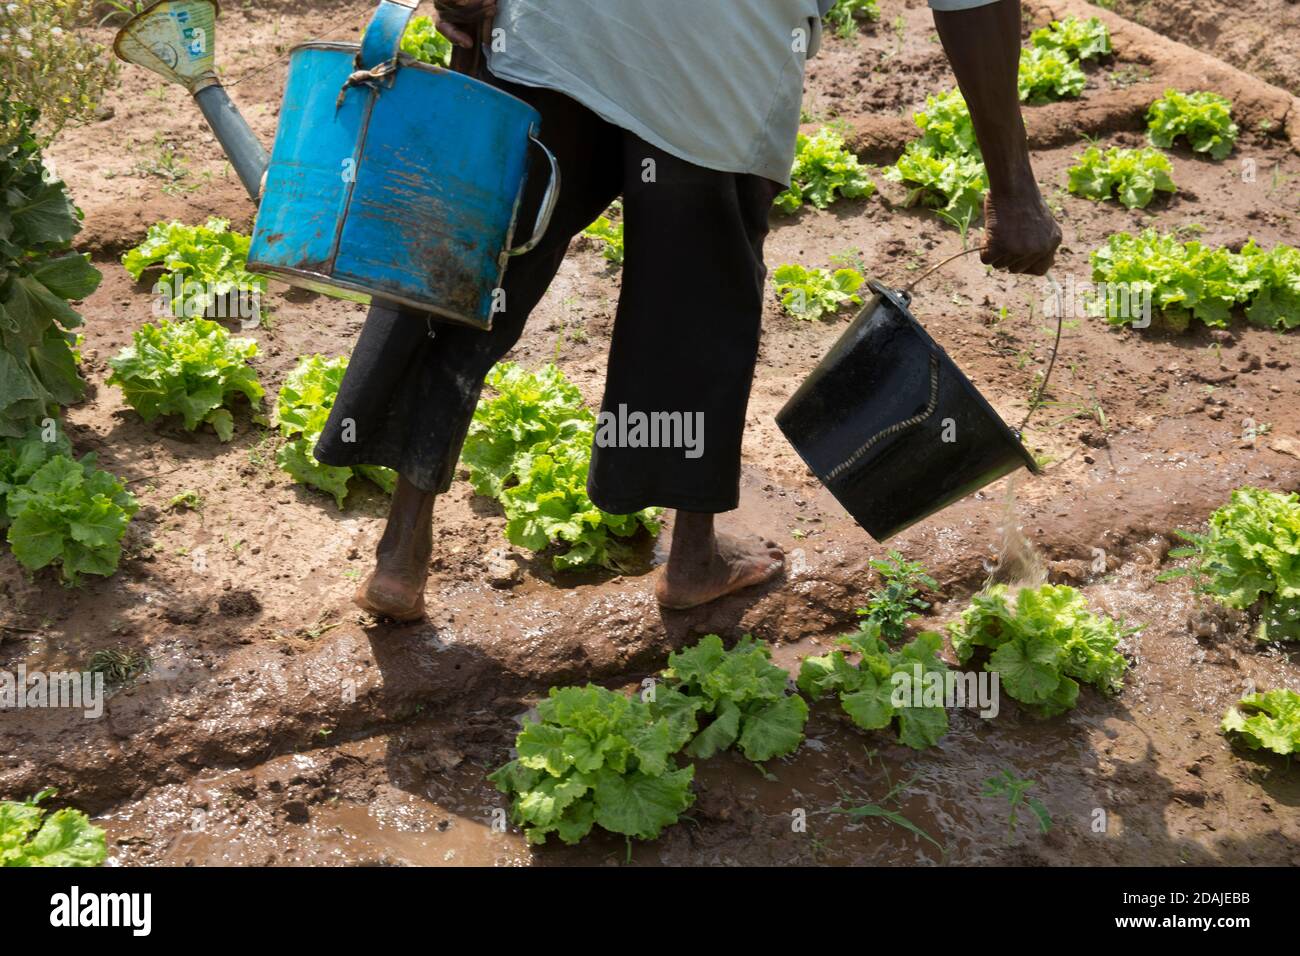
x,y
704,565
395,589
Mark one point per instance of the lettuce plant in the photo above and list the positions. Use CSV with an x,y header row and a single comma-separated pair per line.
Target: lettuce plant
x,y
596,758
845,16
39,276
301,410
1190,280
1249,559
190,368
1134,176
867,690
944,167
1204,119
1043,643
71,514
743,695
813,293
201,265
1048,74
423,41
823,170
20,458
608,233
529,446
31,837
1268,721
1078,39
1274,279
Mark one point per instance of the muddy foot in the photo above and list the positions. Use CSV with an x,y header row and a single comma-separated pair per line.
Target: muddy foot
x,y
393,594
732,563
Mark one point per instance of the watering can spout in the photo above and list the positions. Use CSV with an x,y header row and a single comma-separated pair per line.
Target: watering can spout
x,y
242,147
176,39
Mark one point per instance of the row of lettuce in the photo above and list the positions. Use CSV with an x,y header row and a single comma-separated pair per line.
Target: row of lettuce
x,y
943,169
592,757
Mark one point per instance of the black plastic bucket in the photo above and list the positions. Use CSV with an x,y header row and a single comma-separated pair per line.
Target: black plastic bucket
x,y
892,427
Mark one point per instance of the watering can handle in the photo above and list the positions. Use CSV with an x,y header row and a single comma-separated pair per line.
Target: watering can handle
x,y
548,203
383,36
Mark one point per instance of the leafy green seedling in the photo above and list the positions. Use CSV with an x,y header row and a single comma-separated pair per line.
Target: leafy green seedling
x,y
1133,176
1204,119
1013,789
1249,559
1268,721
813,293
192,368
824,169
31,837
741,693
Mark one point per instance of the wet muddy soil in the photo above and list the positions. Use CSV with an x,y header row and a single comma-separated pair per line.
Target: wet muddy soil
x,y
278,724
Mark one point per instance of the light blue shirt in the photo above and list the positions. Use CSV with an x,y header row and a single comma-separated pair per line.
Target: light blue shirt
x,y
718,83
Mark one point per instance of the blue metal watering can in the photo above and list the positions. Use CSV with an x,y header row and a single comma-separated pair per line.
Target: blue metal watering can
x,y
389,179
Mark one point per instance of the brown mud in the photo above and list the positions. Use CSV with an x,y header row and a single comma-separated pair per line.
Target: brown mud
x,y
277,724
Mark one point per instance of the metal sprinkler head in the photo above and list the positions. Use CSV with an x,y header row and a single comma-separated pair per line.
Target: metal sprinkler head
x,y
175,39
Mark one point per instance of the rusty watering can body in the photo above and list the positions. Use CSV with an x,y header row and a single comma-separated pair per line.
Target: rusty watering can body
x,y
389,179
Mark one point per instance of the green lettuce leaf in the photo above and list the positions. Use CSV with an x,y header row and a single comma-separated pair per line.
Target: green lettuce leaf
x,y
594,757
867,690
71,514
1268,721
191,368
1043,644
30,837
743,692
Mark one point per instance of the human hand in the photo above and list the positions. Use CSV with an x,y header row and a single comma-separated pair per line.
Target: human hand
x,y
454,15
1020,234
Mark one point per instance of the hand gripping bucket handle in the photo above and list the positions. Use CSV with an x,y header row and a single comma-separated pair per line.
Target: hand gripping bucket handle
x,y
890,424
377,59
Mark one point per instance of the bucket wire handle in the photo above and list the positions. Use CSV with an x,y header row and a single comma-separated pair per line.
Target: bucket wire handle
x,y
549,199
1056,344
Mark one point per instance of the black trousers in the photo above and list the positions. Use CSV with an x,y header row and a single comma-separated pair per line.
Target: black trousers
x,y
685,336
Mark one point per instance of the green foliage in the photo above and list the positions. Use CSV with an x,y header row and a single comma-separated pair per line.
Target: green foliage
x,y
608,233
813,293
202,266
49,64
38,277
529,446
20,458
593,757
1048,74
869,692
301,411
1249,559
1043,644
1190,280
1012,789
188,368
743,693
824,169
71,514
31,837
1203,118
944,167
423,41
1078,39
899,600
1133,175
1273,277
1269,721
846,15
